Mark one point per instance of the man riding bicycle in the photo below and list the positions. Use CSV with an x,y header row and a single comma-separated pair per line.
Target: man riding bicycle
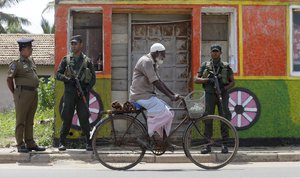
x,y
142,91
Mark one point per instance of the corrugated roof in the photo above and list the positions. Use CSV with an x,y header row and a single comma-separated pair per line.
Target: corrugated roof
x,y
43,48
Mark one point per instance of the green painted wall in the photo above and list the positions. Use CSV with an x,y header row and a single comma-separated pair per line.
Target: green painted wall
x,y
279,101
280,108
102,87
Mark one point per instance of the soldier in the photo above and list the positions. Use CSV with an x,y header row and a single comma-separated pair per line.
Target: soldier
x,y
205,76
76,65
22,73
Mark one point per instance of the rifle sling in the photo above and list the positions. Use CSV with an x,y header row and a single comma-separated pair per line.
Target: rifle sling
x,y
68,63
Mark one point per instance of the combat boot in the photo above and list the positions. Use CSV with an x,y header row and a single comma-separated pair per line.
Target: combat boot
x,y
206,150
62,147
23,149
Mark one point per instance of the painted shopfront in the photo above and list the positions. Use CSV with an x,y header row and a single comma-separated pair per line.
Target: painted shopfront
x,y
260,39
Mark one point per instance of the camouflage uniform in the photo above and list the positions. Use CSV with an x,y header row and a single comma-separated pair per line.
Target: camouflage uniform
x,y
71,99
223,71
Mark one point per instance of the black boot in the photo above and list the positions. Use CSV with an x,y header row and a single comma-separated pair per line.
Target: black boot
x,y
62,147
88,146
23,149
62,144
206,150
36,148
224,149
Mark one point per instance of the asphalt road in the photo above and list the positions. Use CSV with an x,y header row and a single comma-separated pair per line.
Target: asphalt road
x,y
148,170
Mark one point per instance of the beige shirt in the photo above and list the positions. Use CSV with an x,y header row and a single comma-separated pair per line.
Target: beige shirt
x,y
144,74
24,72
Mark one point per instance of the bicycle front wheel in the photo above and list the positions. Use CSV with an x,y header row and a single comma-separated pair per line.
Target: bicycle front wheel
x,y
115,142
210,142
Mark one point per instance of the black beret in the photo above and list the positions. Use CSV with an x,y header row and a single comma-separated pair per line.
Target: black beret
x,y
76,39
216,47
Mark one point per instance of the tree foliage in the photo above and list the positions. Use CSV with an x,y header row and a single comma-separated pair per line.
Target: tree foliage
x,y
46,94
47,28
9,23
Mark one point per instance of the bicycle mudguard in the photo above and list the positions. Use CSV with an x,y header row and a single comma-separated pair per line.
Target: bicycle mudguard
x,y
92,132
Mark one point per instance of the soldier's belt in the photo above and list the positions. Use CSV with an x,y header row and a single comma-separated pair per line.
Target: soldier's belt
x,y
23,87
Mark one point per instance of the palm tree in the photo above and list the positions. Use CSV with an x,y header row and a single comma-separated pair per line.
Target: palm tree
x,y
47,28
49,7
12,22
15,28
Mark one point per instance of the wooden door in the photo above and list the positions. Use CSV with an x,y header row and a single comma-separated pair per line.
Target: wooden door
x,y
175,72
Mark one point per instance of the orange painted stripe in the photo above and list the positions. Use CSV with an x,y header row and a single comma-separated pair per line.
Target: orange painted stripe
x,y
107,29
61,15
266,78
196,36
102,75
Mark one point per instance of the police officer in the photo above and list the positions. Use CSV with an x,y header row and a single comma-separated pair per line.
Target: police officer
x,y
75,65
225,77
22,73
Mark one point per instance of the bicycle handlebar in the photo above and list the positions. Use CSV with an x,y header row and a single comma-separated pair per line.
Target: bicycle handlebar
x,y
183,101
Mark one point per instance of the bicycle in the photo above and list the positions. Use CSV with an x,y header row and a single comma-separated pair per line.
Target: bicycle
x,y
116,139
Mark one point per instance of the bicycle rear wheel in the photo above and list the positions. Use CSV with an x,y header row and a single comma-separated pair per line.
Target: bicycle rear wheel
x,y
222,135
115,145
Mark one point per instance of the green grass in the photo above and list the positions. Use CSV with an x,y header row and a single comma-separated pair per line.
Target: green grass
x,y
42,131
7,127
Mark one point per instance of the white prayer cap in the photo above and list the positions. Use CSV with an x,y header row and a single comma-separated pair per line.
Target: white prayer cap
x,y
157,47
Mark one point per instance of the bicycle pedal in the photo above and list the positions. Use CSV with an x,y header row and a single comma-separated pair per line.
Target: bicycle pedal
x,y
171,147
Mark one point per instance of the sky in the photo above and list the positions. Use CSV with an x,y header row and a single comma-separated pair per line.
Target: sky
x,y
32,10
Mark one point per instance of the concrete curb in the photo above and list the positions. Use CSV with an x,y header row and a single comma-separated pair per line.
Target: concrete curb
x,y
52,155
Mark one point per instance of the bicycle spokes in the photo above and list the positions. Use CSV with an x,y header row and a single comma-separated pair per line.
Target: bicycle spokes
x,y
211,142
115,143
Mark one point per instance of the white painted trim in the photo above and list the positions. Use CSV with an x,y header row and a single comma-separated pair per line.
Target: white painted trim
x,y
233,43
292,9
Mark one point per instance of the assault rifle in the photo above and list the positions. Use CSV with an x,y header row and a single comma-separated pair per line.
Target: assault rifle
x,y
78,86
79,90
217,89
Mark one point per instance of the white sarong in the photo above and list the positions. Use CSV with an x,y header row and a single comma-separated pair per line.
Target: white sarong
x,y
159,116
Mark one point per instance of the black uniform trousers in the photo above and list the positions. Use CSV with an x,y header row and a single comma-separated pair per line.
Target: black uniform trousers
x,y
211,101
71,102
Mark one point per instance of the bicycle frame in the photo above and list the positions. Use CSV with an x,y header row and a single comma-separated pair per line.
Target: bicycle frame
x,y
192,144
186,119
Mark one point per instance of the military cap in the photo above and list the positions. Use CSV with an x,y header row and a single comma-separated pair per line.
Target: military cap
x,y
215,47
25,42
76,39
